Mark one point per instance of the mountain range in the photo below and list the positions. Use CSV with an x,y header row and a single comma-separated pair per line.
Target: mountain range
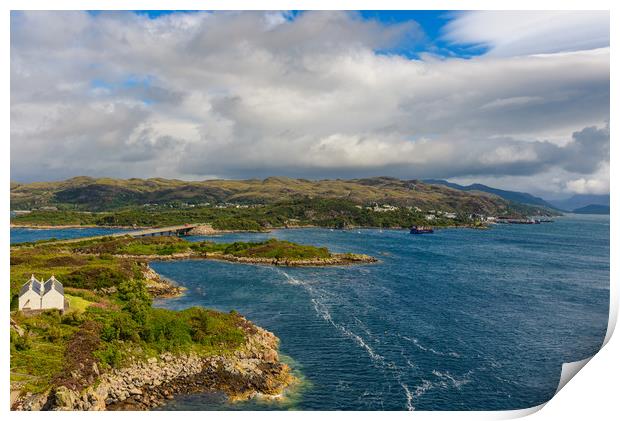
x,y
581,200
579,203
514,196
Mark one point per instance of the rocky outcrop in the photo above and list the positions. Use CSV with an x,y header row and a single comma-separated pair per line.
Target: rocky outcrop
x,y
205,229
253,370
333,260
157,286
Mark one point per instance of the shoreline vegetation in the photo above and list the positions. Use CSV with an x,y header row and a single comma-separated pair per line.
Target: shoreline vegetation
x,y
115,351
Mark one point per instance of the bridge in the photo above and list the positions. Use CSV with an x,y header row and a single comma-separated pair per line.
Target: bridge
x,y
175,230
178,230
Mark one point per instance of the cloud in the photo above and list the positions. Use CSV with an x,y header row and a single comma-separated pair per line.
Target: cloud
x,y
512,33
195,95
597,183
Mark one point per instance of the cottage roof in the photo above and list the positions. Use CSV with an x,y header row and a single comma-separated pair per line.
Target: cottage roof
x,y
53,283
32,284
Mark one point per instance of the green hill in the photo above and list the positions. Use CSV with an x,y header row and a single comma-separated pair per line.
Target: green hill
x,y
90,194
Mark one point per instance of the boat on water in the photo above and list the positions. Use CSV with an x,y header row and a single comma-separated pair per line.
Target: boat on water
x,y
418,229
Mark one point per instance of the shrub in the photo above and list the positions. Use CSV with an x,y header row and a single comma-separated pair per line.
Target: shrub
x,y
120,326
109,355
20,343
136,298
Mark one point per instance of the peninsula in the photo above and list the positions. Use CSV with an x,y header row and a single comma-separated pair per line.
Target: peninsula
x,y
112,350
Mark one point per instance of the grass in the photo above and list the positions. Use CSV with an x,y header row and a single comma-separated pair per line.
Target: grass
x,y
77,304
38,357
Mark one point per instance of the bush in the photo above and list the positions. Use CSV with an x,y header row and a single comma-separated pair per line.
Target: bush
x,y
136,298
120,326
20,343
109,355
73,319
94,278
53,334
166,330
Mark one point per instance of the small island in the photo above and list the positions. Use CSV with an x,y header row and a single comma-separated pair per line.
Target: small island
x,y
110,349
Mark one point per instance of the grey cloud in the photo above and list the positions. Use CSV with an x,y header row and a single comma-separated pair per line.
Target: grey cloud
x,y
243,95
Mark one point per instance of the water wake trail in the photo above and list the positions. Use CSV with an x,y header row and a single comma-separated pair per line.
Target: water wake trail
x,y
429,349
322,310
457,383
419,391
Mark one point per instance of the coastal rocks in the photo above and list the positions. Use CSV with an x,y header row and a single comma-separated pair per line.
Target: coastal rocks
x,y
253,370
335,259
20,332
205,229
31,402
157,286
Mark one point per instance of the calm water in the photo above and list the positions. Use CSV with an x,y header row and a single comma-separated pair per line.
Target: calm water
x,y
461,319
22,235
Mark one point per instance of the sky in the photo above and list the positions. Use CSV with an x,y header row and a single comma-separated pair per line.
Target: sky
x,y
515,100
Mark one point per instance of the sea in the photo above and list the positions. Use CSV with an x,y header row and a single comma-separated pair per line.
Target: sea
x,y
23,235
461,319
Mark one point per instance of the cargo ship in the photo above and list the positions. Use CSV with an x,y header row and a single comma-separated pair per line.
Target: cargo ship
x,y
416,229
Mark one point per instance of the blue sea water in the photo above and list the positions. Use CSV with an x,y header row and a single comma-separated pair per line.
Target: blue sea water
x,y
22,235
459,320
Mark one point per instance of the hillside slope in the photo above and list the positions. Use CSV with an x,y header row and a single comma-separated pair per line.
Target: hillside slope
x,y
514,196
85,193
581,200
593,210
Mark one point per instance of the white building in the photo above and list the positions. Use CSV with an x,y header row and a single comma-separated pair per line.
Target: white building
x,y
30,295
36,295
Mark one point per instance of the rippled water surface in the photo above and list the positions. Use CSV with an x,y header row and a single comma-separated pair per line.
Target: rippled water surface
x,y
461,319
22,235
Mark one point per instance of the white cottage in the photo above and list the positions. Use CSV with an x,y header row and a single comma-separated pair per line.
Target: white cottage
x,y
53,294
36,295
30,295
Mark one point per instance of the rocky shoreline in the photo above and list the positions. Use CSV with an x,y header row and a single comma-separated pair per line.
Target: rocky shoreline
x,y
254,370
336,259
160,287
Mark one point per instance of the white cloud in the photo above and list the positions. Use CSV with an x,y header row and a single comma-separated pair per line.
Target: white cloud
x,y
252,94
597,183
512,33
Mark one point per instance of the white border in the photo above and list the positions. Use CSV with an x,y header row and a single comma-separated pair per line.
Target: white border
x,y
592,394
